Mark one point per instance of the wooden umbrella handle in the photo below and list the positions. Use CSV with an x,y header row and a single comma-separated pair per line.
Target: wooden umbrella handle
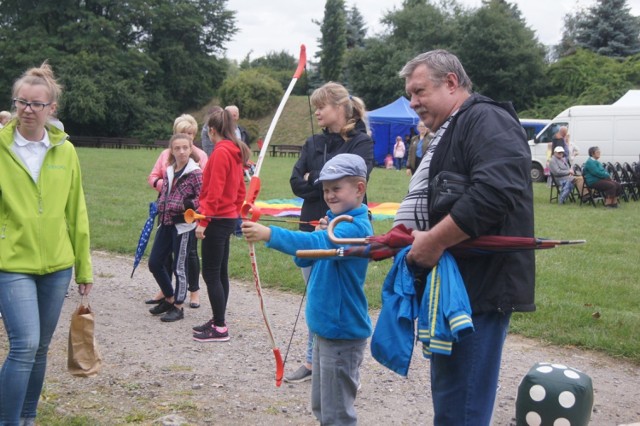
x,y
318,253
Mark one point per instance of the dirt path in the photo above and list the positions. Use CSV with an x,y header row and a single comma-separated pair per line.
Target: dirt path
x,y
155,373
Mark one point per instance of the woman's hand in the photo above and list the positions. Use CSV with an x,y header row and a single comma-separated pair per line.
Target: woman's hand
x,y
85,289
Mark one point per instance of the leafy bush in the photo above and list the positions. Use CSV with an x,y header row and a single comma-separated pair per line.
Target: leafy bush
x,y
255,93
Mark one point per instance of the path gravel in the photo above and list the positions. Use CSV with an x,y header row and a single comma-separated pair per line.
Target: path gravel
x,y
154,373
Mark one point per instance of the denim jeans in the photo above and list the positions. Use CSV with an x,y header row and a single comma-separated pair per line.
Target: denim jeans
x,y
565,189
30,306
464,384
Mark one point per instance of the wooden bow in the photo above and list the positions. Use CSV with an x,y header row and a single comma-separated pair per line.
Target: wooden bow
x,y
250,212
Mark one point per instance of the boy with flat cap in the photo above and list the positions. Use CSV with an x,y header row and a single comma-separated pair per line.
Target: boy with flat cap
x,y
337,309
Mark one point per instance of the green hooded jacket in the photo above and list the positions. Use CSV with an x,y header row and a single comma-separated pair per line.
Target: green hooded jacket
x,y
44,226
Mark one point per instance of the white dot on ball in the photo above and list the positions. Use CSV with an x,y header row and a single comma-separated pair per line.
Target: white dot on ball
x,y
537,393
571,374
559,366
533,419
545,369
562,422
566,399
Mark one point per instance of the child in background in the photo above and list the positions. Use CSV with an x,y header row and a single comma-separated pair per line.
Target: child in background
x,y
180,190
337,309
222,195
388,162
399,149
189,126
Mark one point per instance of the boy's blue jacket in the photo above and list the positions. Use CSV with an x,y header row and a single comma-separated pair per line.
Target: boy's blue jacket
x,y
444,313
336,305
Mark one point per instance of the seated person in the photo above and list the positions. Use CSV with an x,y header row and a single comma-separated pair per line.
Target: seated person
x,y
596,176
562,173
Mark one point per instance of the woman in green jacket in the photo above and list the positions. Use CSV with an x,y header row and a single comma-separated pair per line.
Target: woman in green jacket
x,y
596,176
44,234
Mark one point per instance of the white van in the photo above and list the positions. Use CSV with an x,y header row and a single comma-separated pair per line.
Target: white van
x,y
615,129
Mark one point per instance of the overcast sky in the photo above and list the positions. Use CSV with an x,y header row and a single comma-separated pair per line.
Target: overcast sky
x,y
275,25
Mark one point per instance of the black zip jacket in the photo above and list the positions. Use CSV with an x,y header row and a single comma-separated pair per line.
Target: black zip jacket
x,y
316,151
486,142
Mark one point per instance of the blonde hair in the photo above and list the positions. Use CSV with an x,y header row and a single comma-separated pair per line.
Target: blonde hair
x,y
172,159
43,76
4,115
336,94
184,123
222,122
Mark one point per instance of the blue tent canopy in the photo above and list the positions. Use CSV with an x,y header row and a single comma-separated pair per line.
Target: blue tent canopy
x,y
395,119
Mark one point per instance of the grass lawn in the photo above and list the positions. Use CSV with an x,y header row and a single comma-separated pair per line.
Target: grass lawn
x,y
586,295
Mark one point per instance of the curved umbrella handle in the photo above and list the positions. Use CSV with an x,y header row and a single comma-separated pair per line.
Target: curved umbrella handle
x,y
342,241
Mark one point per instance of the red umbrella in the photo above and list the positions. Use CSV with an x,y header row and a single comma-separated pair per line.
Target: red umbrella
x,y
379,247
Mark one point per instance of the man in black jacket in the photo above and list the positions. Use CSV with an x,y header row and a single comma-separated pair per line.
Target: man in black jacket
x,y
483,140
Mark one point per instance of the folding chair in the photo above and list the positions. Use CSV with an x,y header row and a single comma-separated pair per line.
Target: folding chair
x,y
554,190
554,194
590,195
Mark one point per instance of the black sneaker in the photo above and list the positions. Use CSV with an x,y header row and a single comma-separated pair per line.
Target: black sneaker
x,y
212,334
161,308
203,327
174,314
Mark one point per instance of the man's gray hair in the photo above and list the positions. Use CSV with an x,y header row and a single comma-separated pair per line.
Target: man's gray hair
x,y
439,63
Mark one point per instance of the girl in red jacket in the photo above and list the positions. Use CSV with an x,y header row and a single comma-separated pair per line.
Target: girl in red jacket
x,y
221,197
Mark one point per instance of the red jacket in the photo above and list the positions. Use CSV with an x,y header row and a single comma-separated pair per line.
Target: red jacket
x,y
223,188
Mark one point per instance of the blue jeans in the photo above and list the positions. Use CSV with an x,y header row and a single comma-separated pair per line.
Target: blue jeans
x,y
464,384
566,186
397,162
30,306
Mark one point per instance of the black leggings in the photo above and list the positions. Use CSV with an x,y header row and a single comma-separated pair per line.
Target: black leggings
x,y
215,262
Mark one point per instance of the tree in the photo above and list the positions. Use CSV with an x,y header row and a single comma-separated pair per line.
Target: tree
x,y
607,28
279,61
356,29
501,54
253,92
421,26
333,43
585,78
373,72
279,66
373,69
128,68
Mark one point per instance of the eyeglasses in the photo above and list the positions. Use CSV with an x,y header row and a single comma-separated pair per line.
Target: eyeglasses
x,y
35,106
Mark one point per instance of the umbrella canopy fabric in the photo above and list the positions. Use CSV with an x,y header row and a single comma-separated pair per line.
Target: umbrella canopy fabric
x,y
145,235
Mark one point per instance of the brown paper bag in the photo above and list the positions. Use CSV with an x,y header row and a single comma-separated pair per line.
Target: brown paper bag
x,y
84,359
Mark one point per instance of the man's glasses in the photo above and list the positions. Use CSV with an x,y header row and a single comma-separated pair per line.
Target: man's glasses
x,y
35,106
